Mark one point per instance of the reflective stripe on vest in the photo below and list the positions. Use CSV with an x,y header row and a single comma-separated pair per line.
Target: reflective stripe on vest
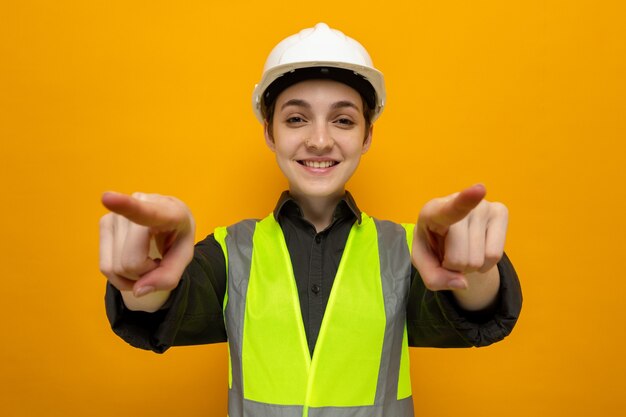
x,y
360,365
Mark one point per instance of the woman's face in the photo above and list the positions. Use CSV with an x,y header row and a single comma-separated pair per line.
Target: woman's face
x,y
318,135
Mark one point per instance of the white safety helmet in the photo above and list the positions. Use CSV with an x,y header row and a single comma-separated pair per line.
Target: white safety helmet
x,y
319,52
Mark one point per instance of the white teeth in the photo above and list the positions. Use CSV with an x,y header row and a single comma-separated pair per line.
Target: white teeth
x,y
318,164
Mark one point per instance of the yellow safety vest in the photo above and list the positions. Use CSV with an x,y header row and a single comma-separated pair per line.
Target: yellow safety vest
x,y
360,365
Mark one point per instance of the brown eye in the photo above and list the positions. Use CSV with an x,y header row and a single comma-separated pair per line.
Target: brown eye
x,y
344,121
295,120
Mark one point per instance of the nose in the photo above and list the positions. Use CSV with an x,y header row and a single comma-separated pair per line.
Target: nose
x,y
320,140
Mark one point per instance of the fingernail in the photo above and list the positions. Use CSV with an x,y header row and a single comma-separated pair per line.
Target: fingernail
x,y
457,284
140,292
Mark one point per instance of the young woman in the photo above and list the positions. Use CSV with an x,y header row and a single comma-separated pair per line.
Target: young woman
x,y
318,301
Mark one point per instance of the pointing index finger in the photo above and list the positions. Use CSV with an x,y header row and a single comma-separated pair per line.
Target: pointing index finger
x,y
458,207
145,213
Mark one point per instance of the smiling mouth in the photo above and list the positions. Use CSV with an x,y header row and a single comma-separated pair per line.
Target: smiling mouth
x,y
318,164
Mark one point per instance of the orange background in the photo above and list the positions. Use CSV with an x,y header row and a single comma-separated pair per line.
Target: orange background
x,y
528,97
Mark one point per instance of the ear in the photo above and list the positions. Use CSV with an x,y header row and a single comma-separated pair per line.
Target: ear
x,y
367,142
269,139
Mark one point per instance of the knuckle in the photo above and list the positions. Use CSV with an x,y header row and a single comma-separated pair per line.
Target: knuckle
x,y
155,198
481,210
118,270
500,209
120,283
121,269
105,268
429,282
430,208
475,263
126,264
493,256
454,262
130,264
111,275
106,222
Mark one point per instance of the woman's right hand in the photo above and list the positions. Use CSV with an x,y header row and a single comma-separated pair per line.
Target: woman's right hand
x,y
146,242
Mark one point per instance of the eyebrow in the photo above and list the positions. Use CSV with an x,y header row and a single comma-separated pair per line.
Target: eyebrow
x,y
295,102
305,104
344,103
